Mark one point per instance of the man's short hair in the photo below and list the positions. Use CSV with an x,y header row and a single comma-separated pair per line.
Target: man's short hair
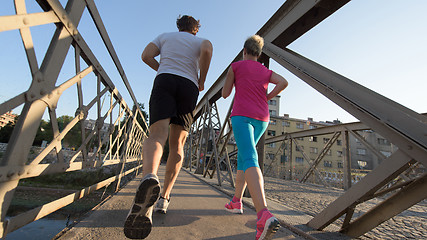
x,y
187,23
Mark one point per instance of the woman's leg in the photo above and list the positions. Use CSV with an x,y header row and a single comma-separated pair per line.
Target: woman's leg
x,y
240,184
247,132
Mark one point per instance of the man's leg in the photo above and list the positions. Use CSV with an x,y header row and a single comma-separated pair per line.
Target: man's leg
x,y
176,156
153,146
138,223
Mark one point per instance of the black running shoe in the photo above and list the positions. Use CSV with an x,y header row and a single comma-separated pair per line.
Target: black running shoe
x,y
138,223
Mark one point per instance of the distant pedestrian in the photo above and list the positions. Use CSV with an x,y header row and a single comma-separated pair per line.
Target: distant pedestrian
x,y
249,118
172,103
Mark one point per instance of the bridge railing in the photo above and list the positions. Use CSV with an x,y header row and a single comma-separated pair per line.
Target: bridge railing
x,y
207,152
114,138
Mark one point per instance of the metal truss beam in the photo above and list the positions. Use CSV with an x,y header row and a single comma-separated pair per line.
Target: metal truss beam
x,y
402,126
120,144
291,20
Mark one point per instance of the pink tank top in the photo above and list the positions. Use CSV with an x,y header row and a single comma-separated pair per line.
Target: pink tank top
x,y
251,80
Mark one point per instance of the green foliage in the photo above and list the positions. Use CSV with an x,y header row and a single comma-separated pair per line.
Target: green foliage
x,y
45,132
139,117
67,180
73,138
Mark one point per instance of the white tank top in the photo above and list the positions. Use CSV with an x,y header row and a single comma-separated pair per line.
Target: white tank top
x,y
179,54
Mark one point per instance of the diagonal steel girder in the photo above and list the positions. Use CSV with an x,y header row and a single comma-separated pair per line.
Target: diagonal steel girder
x,y
402,126
291,21
31,115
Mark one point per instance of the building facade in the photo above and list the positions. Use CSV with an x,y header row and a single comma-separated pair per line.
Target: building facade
x,y
7,118
291,159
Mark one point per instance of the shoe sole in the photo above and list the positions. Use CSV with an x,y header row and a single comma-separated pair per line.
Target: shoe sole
x,y
137,224
236,211
160,211
273,225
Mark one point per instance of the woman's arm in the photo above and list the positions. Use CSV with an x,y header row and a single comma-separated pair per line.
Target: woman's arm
x,y
228,85
280,83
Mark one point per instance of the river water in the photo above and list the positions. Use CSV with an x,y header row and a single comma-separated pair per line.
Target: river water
x,y
42,229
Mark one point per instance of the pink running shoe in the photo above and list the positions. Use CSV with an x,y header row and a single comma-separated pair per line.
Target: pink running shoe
x,y
266,226
234,207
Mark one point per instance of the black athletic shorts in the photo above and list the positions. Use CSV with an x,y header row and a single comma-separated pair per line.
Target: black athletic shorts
x,y
173,97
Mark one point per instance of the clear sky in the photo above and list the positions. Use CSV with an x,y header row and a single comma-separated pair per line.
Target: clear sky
x,y
380,44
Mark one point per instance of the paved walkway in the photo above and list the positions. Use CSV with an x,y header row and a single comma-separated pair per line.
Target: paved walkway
x,y
196,212
297,203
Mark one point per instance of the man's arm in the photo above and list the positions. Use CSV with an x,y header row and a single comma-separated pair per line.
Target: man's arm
x,y
206,50
148,56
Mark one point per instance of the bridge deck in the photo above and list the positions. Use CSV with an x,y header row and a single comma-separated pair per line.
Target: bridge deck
x,y
196,212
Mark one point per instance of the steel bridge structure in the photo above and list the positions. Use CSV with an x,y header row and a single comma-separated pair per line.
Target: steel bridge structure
x,y
123,143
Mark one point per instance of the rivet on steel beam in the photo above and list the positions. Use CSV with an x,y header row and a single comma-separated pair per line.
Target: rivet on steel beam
x,y
42,92
25,21
75,32
21,172
58,92
32,95
69,24
64,16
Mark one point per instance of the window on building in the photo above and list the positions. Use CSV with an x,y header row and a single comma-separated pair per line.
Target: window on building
x,y
362,164
382,141
340,165
271,133
325,140
299,160
386,153
273,113
339,153
361,151
272,122
327,164
313,150
270,156
329,152
339,142
300,125
283,158
312,139
300,138
312,127
286,124
298,149
272,102
271,145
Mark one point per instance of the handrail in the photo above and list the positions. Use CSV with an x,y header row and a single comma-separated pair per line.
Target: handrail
x,y
115,140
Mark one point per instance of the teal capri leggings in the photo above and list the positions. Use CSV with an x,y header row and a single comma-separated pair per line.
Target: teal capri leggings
x,y
247,132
